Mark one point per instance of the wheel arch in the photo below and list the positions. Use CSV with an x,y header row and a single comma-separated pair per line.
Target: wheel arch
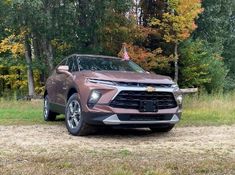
x,y
45,93
71,92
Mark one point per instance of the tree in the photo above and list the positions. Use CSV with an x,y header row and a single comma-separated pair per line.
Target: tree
x,y
177,24
219,19
152,9
115,27
54,29
149,60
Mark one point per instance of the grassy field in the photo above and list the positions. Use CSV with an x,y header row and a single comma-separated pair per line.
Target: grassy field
x,y
198,111
209,110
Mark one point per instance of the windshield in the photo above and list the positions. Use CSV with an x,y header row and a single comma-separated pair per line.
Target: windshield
x,y
107,64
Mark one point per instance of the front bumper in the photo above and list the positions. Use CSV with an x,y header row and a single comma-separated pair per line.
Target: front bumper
x,y
131,119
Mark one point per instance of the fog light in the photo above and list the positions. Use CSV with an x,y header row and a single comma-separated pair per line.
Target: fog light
x,y
94,97
179,99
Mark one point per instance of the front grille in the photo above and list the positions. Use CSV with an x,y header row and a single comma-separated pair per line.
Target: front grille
x,y
132,99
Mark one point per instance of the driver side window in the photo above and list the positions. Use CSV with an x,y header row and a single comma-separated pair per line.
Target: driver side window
x,y
70,64
73,64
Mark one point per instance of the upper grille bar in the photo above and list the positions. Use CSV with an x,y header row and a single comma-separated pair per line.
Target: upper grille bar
x,y
132,84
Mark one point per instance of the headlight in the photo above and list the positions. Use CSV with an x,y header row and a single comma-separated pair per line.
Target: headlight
x,y
175,86
105,82
94,98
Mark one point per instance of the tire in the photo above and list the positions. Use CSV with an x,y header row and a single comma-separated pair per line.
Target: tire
x,y
48,115
74,117
162,128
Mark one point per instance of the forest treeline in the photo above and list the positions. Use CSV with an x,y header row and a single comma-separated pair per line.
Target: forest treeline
x,y
192,41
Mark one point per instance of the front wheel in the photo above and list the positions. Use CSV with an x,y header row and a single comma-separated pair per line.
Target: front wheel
x,y
74,117
162,128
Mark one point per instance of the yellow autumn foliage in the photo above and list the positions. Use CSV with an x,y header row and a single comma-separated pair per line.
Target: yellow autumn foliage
x,y
14,76
60,46
178,24
12,44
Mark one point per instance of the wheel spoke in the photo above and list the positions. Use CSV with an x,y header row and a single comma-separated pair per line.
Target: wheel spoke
x,y
76,122
70,122
79,111
71,108
45,104
45,108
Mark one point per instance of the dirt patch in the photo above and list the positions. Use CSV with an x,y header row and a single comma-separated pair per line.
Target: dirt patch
x,y
51,150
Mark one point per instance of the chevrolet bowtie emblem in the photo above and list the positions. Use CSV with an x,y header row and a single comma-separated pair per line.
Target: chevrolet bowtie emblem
x,y
150,89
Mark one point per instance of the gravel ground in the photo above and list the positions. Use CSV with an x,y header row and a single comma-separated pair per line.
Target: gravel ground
x,y
43,149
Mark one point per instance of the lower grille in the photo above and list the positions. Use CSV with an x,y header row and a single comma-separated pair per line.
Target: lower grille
x,y
132,99
138,117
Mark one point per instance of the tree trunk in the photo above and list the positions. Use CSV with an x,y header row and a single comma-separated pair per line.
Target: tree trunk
x,y
28,57
50,56
48,51
136,12
38,55
176,63
46,45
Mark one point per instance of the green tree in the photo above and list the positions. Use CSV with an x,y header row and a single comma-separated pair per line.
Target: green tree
x,y
216,25
195,72
201,66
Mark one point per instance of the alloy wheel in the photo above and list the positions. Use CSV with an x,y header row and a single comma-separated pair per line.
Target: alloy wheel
x,y
74,114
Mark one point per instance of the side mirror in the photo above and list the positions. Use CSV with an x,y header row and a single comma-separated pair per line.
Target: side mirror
x,y
62,69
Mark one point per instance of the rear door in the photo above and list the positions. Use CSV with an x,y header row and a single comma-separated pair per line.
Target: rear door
x,y
50,86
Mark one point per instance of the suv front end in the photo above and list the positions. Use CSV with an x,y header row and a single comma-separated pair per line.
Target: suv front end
x,y
131,103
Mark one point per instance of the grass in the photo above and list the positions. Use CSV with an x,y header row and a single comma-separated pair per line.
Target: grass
x,y
209,110
198,111
137,164
22,113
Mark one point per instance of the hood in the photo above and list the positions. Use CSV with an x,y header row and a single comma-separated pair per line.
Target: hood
x,y
127,77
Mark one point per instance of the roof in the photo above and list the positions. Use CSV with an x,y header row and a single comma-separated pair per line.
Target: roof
x,y
90,55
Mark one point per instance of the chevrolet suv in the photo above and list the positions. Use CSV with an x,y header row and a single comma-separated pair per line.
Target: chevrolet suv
x,y
96,90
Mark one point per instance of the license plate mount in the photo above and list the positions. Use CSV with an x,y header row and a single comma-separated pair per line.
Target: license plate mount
x,y
148,106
